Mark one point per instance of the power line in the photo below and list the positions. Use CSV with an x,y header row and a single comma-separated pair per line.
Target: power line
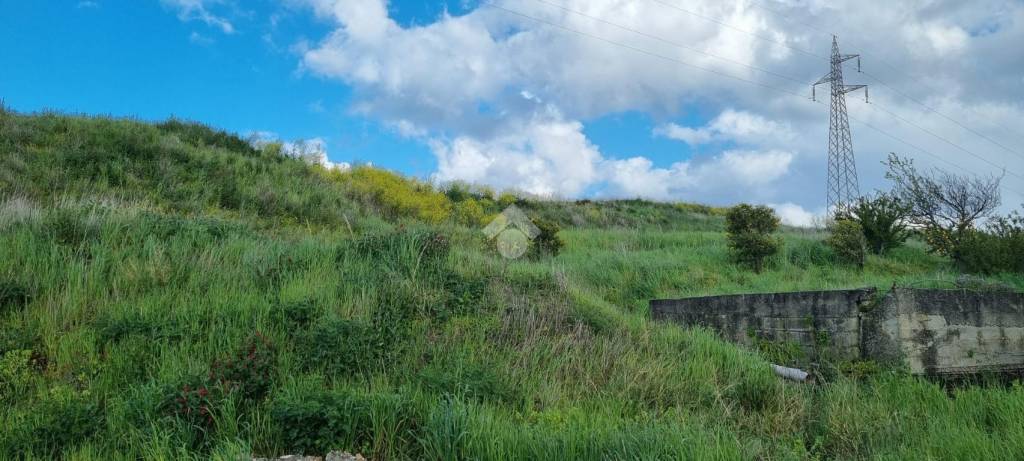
x,y
671,42
931,109
951,143
924,151
874,78
761,5
752,82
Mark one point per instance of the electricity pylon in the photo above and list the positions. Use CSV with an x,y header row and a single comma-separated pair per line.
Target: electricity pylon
x,y
843,188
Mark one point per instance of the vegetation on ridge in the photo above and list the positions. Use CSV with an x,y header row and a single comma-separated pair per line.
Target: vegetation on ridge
x,y
169,292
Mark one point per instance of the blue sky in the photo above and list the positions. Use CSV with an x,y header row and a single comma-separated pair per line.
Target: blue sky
x,y
130,58
463,91
138,59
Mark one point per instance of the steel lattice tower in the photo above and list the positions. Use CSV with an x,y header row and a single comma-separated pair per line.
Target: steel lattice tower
x,y
843,186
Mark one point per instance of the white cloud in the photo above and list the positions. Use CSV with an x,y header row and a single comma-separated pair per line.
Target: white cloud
x,y
942,39
691,136
731,172
503,99
550,156
792,214
546,156
198,10
312,150
730,125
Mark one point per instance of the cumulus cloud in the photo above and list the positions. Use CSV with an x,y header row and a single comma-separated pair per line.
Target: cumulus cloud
x,y
551,156
730,125
546,156
792,214
504,99
312,150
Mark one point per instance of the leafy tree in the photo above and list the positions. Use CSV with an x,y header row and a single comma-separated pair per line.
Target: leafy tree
x,y
946,206
848,241
883,220
749,231
999,248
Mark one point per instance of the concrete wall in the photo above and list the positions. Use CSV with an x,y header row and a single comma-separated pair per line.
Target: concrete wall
x,y
948,331
930,331
801,317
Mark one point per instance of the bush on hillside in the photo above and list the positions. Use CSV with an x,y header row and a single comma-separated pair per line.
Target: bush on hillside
x,y
999,248
249,371
749,231
340,347
469,212
883,220
13,295
318,421
848,242
399,197
547,242
63,418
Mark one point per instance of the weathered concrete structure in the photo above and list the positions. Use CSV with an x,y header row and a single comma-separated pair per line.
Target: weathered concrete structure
x,y
804,317
931,331
947,331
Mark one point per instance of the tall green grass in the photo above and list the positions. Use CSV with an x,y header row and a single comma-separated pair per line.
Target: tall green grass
x,y
128,282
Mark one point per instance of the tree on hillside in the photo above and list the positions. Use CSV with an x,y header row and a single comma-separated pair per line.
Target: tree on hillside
x,y
946,206
883,219
846,238
749,230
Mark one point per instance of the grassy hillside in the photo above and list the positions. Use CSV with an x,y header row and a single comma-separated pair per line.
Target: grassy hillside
x,y
169,292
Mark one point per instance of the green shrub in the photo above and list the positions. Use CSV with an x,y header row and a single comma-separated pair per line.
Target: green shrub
x,y
999,248
547,242
243,377
883,220
71,227
340,347
296,314
468,381
195,406
116,327
506,199
466,294
469,212
61,420
749,231
15,374
250,371
13,295
847,240
321,421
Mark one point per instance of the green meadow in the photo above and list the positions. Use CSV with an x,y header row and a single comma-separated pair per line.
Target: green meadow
x,y
168,291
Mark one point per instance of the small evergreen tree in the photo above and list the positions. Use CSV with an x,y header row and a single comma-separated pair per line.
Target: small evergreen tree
x,y
749,231
547,241
847,240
